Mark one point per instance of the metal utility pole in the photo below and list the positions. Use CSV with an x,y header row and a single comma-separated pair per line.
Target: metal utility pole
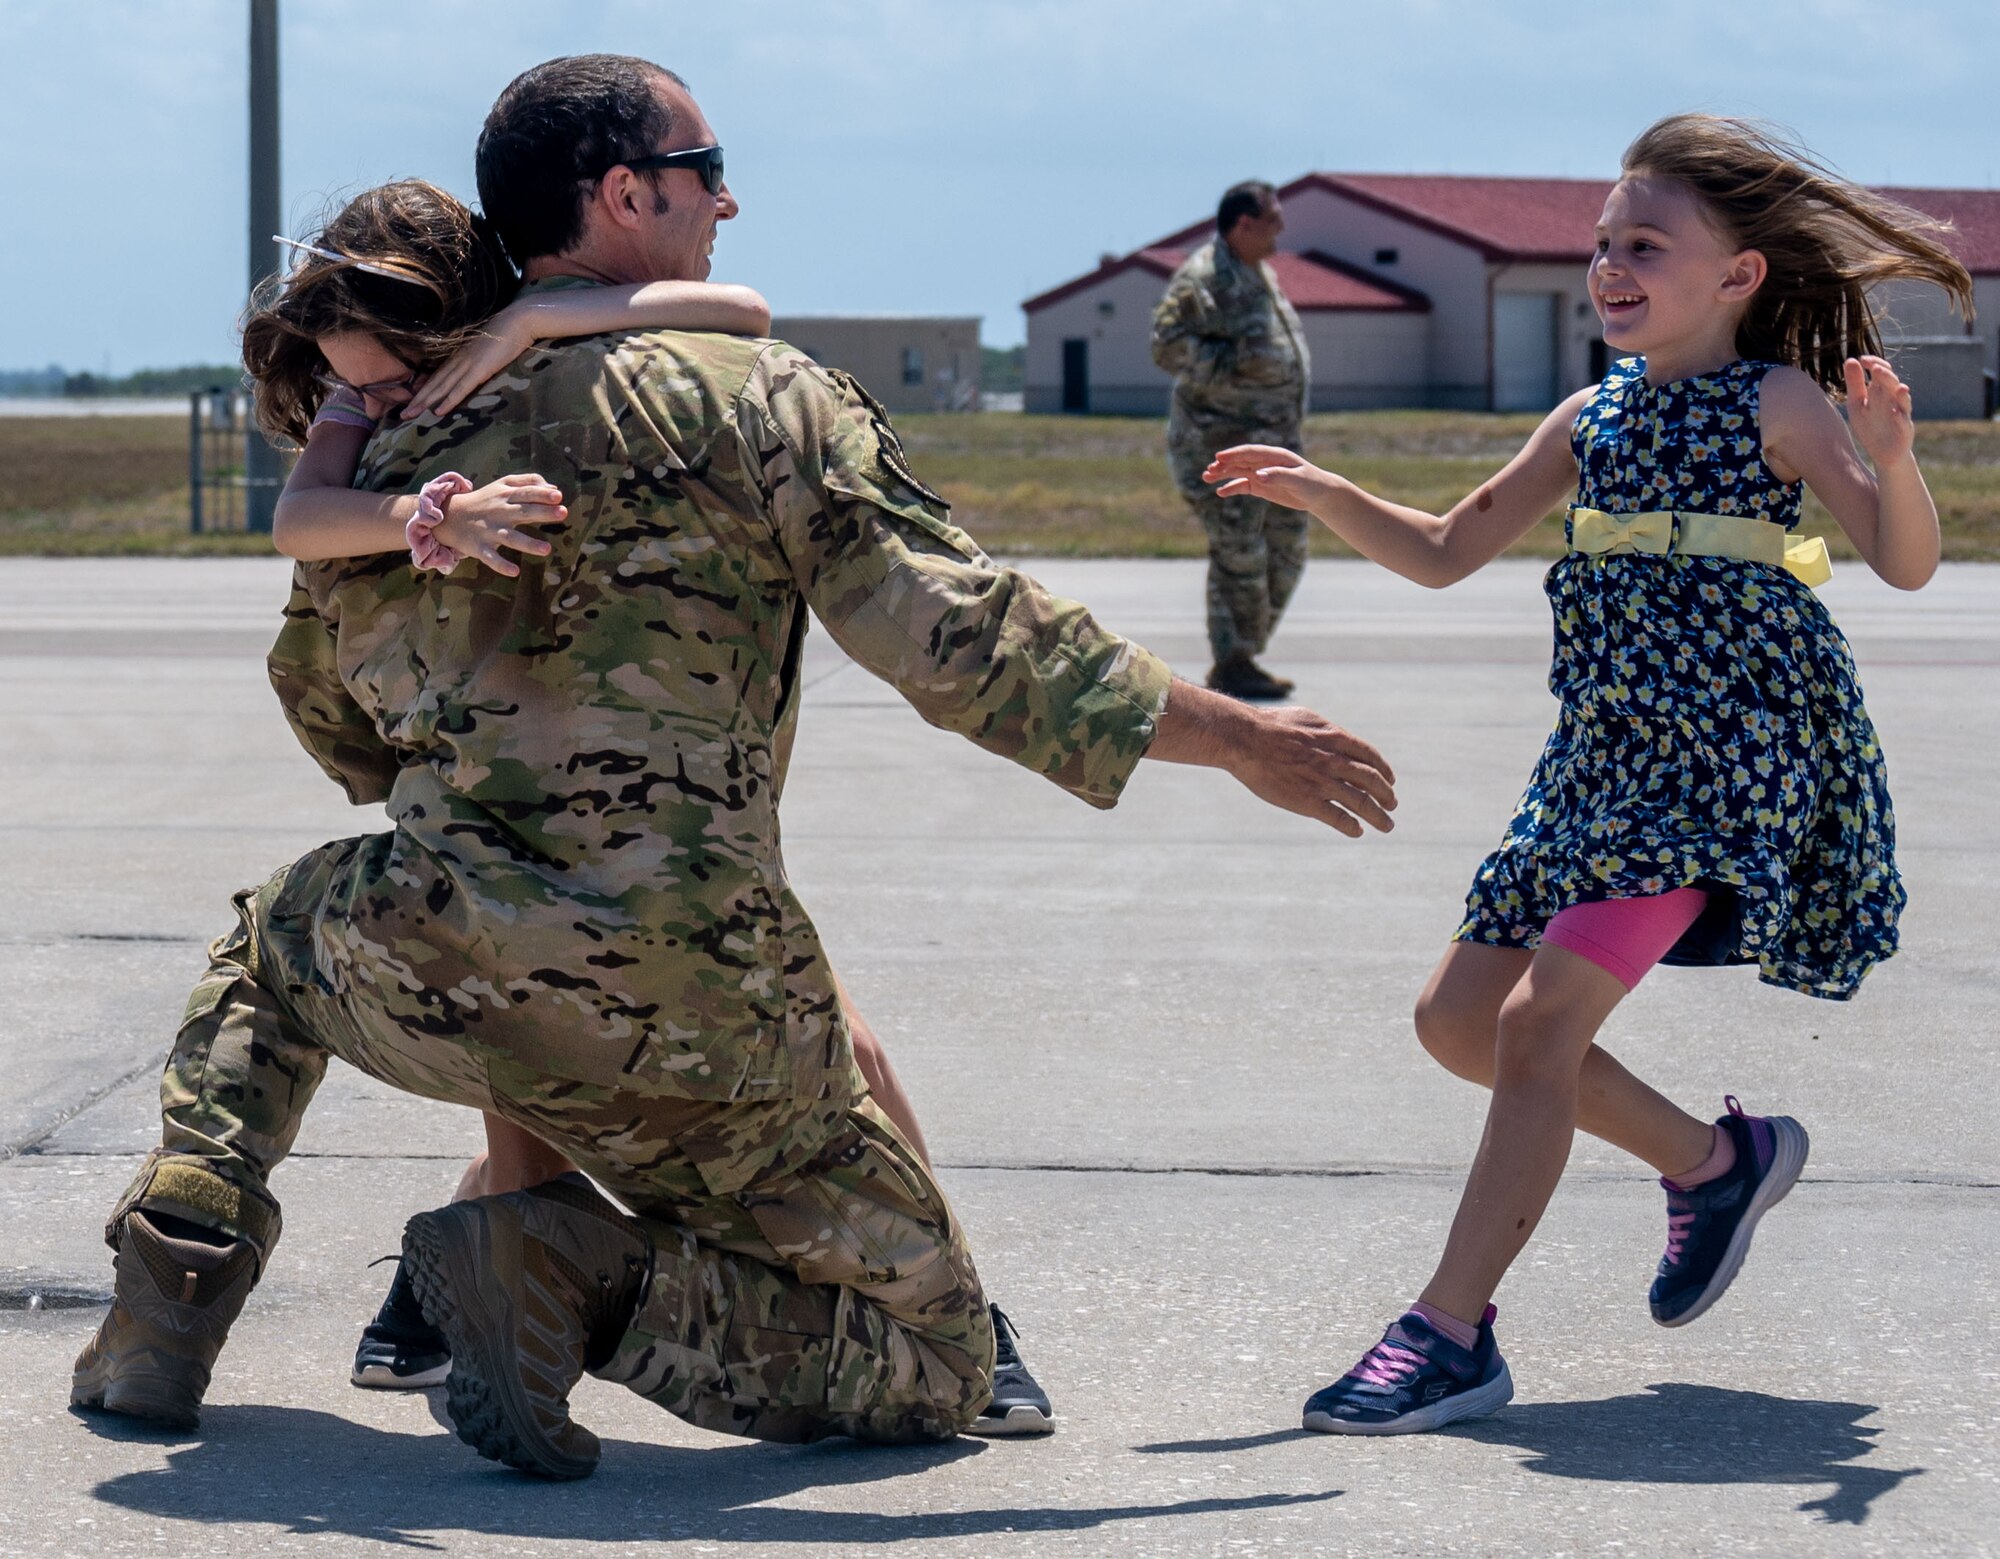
x,y
263,467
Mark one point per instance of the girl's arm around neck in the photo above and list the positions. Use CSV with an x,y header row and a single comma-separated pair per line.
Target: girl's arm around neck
x,y
721,307
1433,550
320,516
1887,512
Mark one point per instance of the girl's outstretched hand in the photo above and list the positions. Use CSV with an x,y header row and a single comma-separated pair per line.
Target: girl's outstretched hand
x,y
479,523
1878,410
1265,471
498,342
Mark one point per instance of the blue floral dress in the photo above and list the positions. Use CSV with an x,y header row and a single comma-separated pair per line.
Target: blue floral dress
x,y
1712,733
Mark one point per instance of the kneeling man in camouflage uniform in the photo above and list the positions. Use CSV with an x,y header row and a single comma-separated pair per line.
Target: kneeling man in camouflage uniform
x,y
581,920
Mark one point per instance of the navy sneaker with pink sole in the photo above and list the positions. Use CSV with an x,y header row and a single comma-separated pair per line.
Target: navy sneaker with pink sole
x,y
1709,1226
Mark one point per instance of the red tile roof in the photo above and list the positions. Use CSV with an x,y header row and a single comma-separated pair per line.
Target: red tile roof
x,y
1507,219
1548,220
1313,281
1974,212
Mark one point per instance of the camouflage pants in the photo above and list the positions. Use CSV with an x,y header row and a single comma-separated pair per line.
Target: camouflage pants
x,y
1256,553
821,1288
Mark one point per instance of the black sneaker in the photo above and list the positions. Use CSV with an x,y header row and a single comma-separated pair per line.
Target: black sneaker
x,y
1414,1379
400,1350
1019,1406
1709,1226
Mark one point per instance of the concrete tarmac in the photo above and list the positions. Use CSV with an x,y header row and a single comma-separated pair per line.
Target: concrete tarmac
x,y
1163,1056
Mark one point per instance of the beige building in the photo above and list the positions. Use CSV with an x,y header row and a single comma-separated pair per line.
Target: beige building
x,y
912,362
1444,291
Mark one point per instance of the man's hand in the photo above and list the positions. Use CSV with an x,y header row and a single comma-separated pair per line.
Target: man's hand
x,y
1306,764
1291,758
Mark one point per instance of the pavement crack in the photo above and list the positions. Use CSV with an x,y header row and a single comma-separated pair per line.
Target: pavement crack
x,y
1200,1171
1429,1171
29,1143
65,938
131,936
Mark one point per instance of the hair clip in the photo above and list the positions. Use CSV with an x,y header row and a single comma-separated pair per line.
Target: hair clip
x,y
339,259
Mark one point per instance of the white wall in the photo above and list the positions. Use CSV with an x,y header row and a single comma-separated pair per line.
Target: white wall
x,y
1360,358
1576,320
1363,359
1918,309
1450,274
1122,376
1986,298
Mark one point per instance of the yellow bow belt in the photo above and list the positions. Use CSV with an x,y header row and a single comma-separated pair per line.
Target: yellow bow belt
x,y
1661,532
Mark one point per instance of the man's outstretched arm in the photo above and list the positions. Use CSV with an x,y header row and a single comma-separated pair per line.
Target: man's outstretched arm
x,y
1291,758
982,649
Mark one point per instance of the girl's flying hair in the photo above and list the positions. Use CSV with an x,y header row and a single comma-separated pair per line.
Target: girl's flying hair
x,y
1826,241
405,263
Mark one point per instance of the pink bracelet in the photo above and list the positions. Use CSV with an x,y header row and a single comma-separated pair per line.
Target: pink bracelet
x,y
426,551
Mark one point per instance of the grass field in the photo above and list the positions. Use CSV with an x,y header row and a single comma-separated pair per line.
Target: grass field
x,y
1079,486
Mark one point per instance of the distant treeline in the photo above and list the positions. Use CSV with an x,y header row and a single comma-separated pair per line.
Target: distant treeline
x,y
1003,368
55,380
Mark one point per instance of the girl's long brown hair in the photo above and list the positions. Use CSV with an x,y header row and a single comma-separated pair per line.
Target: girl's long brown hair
x,y
450,275
1826,241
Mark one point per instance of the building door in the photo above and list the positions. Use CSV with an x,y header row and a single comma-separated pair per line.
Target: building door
x,y
1524,350
1076,374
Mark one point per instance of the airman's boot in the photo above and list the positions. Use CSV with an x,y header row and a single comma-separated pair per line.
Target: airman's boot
x,y
172,1307
1241,677
530,1289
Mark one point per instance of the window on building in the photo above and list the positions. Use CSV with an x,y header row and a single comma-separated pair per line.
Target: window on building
x,y
1387,256
913,365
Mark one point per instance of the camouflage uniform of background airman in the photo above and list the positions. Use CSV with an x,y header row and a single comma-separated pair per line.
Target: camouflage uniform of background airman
x,y
1229,336
581,920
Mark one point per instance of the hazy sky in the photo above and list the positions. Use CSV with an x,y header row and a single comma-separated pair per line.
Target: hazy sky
x,y
948,156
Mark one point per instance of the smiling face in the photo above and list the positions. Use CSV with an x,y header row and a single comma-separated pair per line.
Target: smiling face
x,y
1663,280
680,241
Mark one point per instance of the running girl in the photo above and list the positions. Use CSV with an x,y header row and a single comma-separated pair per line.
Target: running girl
x,y
1713,792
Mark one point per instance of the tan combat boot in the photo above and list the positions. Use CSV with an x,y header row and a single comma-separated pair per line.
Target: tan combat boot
x,y
529,1289
171,1309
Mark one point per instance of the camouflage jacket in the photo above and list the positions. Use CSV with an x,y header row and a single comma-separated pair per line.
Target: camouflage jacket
x,y
1230,338
582,764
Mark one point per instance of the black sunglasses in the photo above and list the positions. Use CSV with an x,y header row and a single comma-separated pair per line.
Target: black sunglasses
x,y
705,160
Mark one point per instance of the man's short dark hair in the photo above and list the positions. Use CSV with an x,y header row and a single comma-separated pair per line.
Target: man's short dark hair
x,y
558,127
1251,198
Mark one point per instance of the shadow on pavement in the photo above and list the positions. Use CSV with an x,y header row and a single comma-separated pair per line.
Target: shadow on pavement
x,y
307,1472
1246,1442
1702,1434
1672,1434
